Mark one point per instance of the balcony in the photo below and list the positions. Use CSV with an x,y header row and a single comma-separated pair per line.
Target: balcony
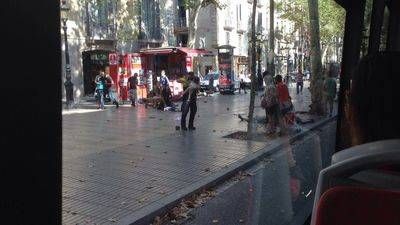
x,y
228,25
180,26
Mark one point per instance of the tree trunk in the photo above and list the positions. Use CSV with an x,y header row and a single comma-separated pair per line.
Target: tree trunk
x,y
253,72
316,85
271,65
324,52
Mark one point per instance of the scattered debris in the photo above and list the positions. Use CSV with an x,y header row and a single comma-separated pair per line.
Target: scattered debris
x,y
82,180
74,213
215,221
241,175
165,152
149,187
207,170
181,212
142,200
148,146
241,221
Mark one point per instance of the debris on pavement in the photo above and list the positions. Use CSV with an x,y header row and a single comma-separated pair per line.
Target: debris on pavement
x,y
182,212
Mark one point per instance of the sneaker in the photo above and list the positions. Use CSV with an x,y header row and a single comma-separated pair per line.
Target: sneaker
x,y
184,128
192,128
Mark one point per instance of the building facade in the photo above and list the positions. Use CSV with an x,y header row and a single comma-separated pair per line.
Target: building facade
x,y
97,27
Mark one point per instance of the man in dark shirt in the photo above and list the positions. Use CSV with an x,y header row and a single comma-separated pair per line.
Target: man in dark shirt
x,y
189,103
132,87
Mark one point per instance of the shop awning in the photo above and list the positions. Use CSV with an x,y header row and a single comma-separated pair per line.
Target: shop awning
x,y
174,50
192,52
158,51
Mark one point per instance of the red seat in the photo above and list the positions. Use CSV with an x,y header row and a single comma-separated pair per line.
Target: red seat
x,y
358,206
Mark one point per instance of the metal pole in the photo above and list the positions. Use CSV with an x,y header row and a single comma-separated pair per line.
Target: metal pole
x,y
67,66
69,86
271,67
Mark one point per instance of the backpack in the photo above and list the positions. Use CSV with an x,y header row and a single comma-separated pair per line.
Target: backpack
x,y
270,98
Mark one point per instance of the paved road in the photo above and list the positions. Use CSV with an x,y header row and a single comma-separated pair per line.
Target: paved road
x,y
118,162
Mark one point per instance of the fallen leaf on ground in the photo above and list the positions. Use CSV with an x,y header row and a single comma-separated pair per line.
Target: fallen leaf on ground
x,y
142,200
157,221
82,180
149,187
112,220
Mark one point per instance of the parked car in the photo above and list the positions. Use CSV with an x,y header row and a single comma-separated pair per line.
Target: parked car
x,y
205,81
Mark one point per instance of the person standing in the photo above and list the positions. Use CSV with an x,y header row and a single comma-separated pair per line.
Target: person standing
x,y
100,87
299,82
285,102
270,103
132,87
111,88
185,81
211,83
123,85
164,89
190,104
330,91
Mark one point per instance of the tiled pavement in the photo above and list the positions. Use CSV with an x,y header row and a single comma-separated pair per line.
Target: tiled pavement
x,y
117,161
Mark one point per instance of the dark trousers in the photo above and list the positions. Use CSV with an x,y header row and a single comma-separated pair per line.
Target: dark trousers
x,y
299,87
186,107
165,96
242,87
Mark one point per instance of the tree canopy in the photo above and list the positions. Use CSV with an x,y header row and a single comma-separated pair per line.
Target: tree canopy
x,y
330,14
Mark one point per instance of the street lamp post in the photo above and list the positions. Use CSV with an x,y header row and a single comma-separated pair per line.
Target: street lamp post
x,y
69,86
